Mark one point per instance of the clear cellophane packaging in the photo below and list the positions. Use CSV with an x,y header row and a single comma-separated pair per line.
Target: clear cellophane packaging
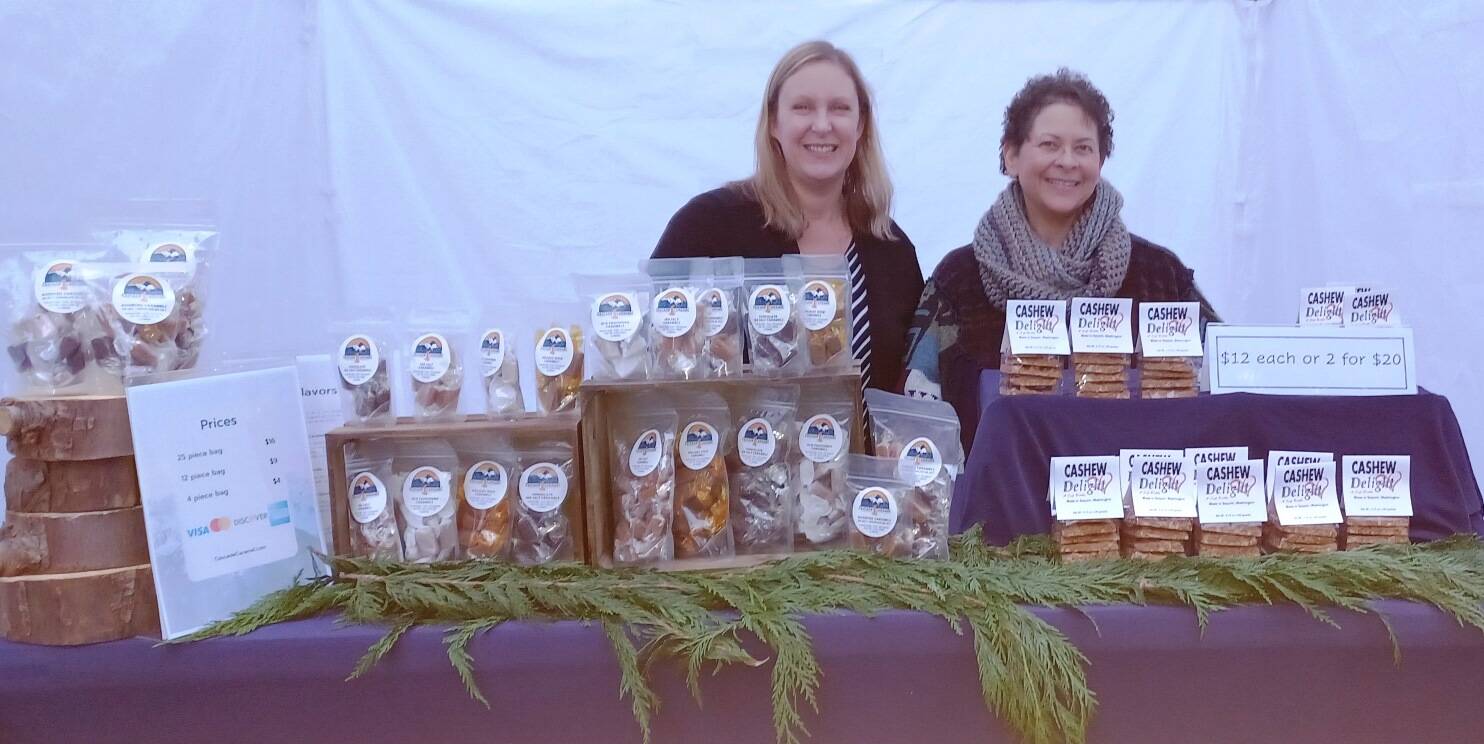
x,y
371,506
434,346
617,339
362,353
1152,538
762,486
150,313
55,321
923,436
677,333
877,488
821,285
721,315
557,356
774,336
427,497
702,492
1169,377
641,467
826,418
1228,540
1086,539
1100,375
486,511
547,491
179,251
1030,374
499,370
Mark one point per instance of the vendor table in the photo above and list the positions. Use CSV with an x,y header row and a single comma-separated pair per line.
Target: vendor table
x,y
1006,475
1256,674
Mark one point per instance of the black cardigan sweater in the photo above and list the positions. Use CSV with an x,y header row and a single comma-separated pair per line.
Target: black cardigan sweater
x,y
724,222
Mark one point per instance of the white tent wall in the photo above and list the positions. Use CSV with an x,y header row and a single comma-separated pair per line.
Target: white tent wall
x,y
422,154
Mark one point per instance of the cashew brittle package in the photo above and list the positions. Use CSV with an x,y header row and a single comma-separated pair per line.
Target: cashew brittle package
x,y
427,499
826,416
822,287
1170,352
544,530
1034,348
761,479
702,493
677,332
1102,342
642,468
923,436
433,349
362,353
721,314
877,488
52,322
499,367
618,342
558,357
373,521
486,512
774,337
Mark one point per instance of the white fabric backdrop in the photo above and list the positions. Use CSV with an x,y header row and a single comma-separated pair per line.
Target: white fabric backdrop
x,y
472,155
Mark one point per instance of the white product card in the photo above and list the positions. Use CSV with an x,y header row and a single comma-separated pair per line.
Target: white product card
x,y
1199,456
1161,487
319,391
1292,457
1305,493
227,488
1228,492
1126,462
1377,485
1322,306
1170,329
1085,488
1308,360
1102,325
1371,307
1037,327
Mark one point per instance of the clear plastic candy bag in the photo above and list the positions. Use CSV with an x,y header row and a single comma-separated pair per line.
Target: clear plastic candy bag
x,y
433,352
642,468
1030,374
150,316
826,418
923,436
721,314
54,320
427,500
822,286
702,494
762,486
374,532
618,306
877,490
1100,375
486,510
499,367
543,527
677,335
773,333
361,355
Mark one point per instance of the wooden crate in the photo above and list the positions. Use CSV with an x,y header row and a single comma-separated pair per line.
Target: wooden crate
x,y
527,430
598,399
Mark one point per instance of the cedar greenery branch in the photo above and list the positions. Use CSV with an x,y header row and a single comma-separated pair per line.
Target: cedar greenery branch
x,y
1031,676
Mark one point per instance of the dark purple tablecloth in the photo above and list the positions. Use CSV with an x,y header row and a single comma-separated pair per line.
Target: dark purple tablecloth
x,y
1006,475
1256,674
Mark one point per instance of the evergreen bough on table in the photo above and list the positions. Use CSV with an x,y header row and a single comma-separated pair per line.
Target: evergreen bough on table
x,y
1031,676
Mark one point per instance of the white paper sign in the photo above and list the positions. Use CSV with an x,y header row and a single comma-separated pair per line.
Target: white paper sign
x,y
1287,360
1085,488
1371,307
1377,485
1170,329
319,390
1306,494
1277,458
1037,327
1126,462
1199,456
1322,306
1161,487
227,488
1228,492
1102,325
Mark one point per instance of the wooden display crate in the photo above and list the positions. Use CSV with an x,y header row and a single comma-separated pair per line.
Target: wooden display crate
x,y
598,399
529,430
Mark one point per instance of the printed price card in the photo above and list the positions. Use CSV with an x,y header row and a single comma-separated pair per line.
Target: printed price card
x,y
1286,360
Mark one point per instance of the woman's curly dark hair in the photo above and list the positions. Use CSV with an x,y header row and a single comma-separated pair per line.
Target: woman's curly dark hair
x,y
1066,86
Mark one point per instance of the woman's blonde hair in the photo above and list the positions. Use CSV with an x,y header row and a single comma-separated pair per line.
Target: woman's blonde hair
x,y
867,187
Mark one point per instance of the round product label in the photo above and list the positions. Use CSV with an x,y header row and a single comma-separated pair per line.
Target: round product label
x,y
491,352
817,305
143,298
698,444
874,512
425,492
431,357
358,360
367,497
768,309
821,438
554,351
716,309
755,442
58,290
920,461
674,312
178,259
485,485
616,316
645,455
543,487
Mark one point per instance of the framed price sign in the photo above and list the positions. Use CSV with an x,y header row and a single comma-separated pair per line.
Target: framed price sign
x,y
1309,360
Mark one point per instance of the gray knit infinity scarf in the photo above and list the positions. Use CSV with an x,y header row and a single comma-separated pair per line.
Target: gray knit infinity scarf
x,y
1015,264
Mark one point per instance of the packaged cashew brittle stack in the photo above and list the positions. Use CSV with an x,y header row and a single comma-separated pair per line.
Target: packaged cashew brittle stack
x,y
618,340
486,514
369,476
702,494
923,436
499,367
1034,348
362,356
558,359
53,321
721,315
543,524
773,331
826,417
1304,509
427,500
433,351
822,286
1170,352
1102,342
762,490
1087,506
877,489
641,465
677,333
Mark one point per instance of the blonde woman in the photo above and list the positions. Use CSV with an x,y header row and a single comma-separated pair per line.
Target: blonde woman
x,y
820,188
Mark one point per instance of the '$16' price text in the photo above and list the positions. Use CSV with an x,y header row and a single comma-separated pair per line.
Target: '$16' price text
x,y
1325,359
